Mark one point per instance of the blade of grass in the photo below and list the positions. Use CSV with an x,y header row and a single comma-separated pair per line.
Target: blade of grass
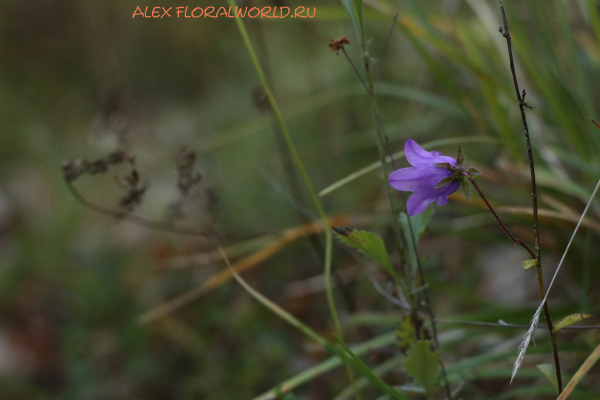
x,y
581,372
367,373
352,361
300,165
328,365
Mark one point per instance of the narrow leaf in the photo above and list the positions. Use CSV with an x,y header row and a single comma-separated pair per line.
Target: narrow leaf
x,y
359,13
466,189
530,263
460,156
422,364
472,171
548,371
350,10
444,165
444,182
367,373
569,320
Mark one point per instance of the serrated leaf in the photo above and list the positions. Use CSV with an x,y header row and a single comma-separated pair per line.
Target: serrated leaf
x,y
530,263
460,156
472,171
569,320
406,333
444,182
466,189
548,371
367,243
444,165
422,364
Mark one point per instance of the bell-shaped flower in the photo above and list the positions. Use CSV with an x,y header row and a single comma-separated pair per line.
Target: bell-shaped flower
x,y
425,178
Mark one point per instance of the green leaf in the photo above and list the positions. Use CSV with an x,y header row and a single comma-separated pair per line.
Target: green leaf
x,y
406,334
367,373
530,263
444,182
350,10
548,371
422,364
444,165
472,171
569,320
359,13
460,156
367,243
466,189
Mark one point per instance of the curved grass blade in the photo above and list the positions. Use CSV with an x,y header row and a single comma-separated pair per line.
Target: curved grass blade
x,y
367,373
328,365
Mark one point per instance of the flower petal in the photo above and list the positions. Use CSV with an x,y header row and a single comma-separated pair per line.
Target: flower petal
x,y
417,178
416,155
442,201
421,199
417,203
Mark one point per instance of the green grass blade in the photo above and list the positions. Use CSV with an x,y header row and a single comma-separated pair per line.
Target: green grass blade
x,y
328,365
367,373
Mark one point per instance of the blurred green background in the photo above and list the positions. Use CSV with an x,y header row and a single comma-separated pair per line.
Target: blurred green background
x,y
81,79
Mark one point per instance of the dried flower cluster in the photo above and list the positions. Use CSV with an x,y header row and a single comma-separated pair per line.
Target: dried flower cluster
x,y
338,44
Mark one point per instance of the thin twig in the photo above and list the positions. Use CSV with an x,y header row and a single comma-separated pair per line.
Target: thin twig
x,y
521,98
354,68
387,41
124,216
505,325
517,241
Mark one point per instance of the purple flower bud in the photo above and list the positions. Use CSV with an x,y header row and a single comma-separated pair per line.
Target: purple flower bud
x,y
422,178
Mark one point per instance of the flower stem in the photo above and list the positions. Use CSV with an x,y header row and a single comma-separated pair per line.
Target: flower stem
x,y
307,182
383,140
521,98
517,241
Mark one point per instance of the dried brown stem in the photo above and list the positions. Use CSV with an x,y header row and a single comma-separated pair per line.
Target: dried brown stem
x,y
123,215
521,98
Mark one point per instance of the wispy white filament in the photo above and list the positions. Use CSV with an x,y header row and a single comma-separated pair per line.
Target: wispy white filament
x,y
536,316
525,342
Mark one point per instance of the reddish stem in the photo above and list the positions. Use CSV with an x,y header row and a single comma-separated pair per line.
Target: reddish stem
x,y
518,241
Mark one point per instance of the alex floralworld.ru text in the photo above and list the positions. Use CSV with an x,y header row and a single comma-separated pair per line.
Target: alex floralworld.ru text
x,y
222,12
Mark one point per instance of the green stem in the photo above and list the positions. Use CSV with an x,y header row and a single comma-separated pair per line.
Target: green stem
x,y
381,142
305,178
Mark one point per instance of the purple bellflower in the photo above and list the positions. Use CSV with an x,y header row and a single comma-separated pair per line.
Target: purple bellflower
x,y
432,177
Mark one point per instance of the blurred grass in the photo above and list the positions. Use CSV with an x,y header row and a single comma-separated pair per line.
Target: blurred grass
x,y
80,79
